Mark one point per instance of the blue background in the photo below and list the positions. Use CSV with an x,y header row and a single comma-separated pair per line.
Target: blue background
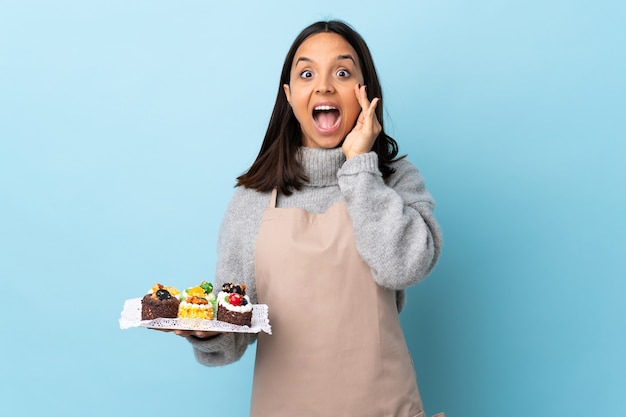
x,y
123,125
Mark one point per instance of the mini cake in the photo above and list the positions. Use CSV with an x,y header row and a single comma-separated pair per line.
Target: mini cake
x,y
161,301
194,307
204,290
233,305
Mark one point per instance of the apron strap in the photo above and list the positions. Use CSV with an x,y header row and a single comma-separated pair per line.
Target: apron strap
x,y
273,198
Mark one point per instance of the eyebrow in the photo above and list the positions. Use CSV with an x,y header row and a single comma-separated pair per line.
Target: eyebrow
x,y
339,58
350,57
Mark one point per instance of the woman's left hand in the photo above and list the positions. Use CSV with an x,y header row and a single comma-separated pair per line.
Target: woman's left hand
x,y
361,139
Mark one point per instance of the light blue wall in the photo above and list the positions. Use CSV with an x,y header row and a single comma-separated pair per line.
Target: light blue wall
x,y
124,123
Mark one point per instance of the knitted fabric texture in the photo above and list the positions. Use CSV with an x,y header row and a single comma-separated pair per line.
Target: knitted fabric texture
x,y
394,227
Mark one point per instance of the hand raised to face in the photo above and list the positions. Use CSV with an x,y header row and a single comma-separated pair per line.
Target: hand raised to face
x,y
367,128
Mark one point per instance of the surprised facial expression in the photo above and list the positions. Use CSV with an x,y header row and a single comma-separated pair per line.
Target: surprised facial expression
x,y
321,91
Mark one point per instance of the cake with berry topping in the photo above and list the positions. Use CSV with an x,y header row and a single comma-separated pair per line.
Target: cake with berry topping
x,y
198,302
161,301
233,305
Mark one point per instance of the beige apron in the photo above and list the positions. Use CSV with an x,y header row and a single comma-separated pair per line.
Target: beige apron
x,y
337,348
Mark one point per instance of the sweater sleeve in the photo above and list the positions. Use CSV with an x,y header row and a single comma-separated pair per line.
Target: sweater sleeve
x,y
394,227
221,350
235,263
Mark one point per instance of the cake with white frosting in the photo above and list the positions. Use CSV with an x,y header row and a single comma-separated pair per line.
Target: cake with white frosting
x,y
233,305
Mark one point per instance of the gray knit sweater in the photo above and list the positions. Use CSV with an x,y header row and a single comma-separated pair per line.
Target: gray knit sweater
x,y
395,231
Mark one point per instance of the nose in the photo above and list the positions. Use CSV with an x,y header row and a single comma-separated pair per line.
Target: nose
x,y
324,85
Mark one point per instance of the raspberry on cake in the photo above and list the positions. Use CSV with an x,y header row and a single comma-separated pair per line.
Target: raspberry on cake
x,y
161,301
233,305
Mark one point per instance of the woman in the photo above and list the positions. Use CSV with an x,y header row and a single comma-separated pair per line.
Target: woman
x,y
328,228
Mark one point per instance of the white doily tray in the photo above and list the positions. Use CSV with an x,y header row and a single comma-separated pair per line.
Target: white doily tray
x,y
131,317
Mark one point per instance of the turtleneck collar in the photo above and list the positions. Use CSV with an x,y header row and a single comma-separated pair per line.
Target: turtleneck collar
x,y
321,165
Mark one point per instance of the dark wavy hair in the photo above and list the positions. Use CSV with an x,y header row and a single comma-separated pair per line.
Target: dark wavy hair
x,y
276,165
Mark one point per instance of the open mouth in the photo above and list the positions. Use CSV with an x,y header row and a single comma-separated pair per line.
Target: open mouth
x,y
326,117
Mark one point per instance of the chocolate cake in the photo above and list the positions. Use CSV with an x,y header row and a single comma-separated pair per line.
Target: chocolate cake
x,y
233,305
234,317
159,304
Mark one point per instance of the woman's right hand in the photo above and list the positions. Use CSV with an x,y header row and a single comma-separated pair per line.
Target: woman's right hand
x,y
200,334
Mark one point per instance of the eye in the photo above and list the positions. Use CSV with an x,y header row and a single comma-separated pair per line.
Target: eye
x,y
306,74
343,73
